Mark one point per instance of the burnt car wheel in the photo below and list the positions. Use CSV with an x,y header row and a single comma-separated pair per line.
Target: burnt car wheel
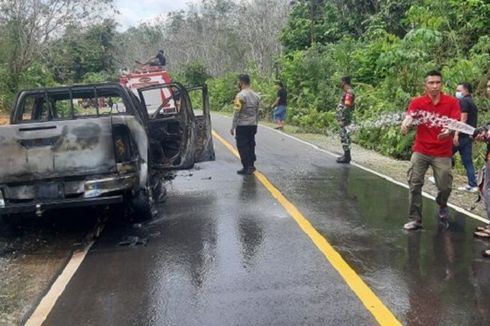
x,y
141,206
11,221
4,218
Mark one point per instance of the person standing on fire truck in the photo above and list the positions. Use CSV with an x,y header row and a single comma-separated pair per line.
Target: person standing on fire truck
x,y
156,61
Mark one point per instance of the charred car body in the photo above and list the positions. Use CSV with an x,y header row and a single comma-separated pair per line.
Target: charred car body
x,y
97,145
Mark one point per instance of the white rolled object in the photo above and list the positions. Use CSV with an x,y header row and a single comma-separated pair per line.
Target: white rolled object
x,y
459,126
407,122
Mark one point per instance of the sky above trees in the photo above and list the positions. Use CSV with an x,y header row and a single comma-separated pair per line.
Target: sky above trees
x,y
133,12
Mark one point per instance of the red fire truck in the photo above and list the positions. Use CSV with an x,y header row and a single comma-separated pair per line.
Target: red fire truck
x,y
147,76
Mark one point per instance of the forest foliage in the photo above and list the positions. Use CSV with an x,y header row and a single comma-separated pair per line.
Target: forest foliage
x,y
385,45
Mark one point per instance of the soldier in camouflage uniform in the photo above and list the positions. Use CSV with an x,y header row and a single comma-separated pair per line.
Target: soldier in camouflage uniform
x,y
344,117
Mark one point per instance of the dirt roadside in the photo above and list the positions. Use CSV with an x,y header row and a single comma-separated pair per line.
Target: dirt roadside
x,y
395,169
4,119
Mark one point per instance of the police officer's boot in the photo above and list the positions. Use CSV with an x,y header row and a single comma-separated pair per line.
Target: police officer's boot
x,y
345,158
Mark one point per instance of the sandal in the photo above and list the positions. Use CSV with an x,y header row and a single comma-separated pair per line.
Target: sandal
x,y
486,253
485,228
481,234
412,225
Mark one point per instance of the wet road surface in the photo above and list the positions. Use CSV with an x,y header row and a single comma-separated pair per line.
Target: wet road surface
x,y
224,252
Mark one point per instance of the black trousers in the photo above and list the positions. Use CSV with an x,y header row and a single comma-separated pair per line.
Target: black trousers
x,y
245,143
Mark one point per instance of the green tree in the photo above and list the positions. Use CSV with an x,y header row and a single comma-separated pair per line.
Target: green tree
x,y
28,26
386,46
83,51
195,74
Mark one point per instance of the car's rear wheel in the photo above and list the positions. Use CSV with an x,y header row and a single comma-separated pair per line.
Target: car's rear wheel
x,y
12,221
141,206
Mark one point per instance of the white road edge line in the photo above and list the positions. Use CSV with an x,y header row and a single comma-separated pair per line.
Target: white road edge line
x,y
49,300
456,208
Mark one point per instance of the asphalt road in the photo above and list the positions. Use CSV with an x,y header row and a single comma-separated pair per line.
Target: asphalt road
x,y
224,251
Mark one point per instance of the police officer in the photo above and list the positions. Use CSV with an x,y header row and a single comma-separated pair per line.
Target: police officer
x,y
344,117
245,122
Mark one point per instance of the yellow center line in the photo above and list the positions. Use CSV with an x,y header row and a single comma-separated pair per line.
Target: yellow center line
x,y
380,312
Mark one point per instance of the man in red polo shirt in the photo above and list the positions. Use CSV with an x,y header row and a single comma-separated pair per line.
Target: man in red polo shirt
x,y
433,147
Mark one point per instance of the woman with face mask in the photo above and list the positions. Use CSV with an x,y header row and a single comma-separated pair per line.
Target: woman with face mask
x,y
464,143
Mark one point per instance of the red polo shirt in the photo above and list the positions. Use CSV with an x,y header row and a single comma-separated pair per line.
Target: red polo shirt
x,y
426,141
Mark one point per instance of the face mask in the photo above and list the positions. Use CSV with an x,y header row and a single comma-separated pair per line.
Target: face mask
x,y
459,95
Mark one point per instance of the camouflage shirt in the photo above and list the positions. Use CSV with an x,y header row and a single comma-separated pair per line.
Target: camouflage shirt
x,y
345,107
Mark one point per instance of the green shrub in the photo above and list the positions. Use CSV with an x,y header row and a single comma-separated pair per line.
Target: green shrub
x,y
96,77
222,91
195,74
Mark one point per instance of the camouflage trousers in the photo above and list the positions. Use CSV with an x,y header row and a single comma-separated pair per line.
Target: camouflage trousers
x,y
345,138
344,118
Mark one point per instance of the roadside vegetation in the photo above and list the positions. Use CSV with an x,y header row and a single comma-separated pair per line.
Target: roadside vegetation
x,y
385,45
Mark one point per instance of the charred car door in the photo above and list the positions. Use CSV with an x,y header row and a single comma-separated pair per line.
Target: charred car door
x,y
204,138
171,125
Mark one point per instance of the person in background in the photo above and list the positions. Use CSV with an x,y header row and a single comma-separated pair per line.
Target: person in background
x,y
344,117
483,134
245,121
433,147
280,106
463,143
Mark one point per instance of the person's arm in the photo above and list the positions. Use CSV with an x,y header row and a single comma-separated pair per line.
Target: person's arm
x,y
258,111
280,93
148,61
455,114
482,133
238,104
407,122
464,118
276,101
465,108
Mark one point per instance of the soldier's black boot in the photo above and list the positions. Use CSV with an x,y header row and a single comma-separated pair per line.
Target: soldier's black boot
x,y
344,159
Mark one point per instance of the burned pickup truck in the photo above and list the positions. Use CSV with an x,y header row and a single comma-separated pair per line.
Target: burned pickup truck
x,y
98,144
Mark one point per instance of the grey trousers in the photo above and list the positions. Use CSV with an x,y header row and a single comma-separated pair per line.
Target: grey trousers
x,y
419,164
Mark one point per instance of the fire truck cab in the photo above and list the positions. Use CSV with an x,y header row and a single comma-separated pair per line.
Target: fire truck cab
x,y
149,76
